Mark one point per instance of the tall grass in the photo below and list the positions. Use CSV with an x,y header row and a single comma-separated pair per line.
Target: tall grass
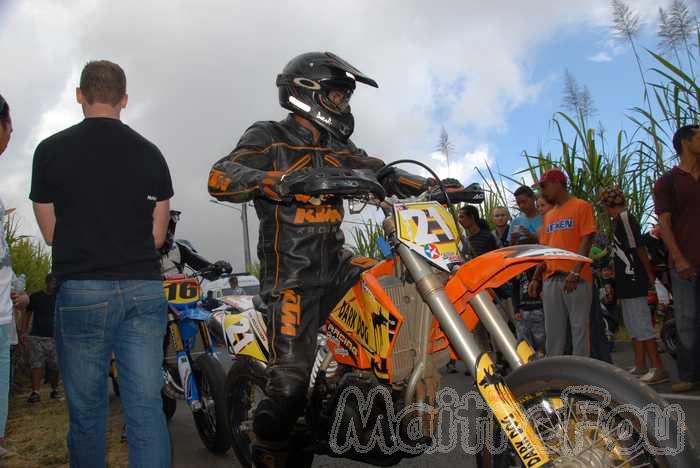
x,y
365,240
29,256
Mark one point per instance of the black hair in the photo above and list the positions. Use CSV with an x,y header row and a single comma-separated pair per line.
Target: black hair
x,y
473,212
4,112
686,132
524,190
50,277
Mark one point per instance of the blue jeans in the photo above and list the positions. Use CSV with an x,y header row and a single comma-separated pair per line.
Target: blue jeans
x,y
5,333
94,319
685,306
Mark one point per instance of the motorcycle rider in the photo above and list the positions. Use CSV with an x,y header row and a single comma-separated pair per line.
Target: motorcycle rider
x,y
304,268
175,255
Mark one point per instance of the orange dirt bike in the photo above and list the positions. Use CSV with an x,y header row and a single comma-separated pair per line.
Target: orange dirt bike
x,y
375,392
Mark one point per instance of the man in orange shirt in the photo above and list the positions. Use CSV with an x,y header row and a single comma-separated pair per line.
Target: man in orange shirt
x,y
567,291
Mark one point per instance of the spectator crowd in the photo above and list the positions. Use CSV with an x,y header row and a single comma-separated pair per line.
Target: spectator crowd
x,y
563,310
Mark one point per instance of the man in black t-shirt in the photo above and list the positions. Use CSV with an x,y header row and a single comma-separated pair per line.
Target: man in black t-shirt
x,y
633,275
479,240
101,197
42,350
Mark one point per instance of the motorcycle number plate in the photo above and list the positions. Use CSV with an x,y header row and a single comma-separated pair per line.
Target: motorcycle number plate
x,y
429,229
184,291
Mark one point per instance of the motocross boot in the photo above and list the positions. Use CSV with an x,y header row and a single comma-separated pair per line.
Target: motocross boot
x,y
268,454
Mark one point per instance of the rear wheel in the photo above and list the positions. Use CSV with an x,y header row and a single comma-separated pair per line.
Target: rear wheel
x,y
589,413
211,420
669,337
244,384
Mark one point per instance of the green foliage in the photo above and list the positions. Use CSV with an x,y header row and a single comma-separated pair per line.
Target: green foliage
x,y
31,258
365,239
495,193
28,255
254,269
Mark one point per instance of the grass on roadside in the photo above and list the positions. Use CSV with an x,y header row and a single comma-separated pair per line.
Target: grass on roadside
x,y
36,434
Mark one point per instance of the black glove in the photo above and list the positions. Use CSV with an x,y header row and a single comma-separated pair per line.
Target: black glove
x,y
216,270
223,266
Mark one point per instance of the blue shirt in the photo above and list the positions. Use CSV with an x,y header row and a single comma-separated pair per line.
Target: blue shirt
x,y
533,225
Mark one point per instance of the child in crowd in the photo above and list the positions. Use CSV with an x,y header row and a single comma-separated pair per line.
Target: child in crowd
x,y
634,275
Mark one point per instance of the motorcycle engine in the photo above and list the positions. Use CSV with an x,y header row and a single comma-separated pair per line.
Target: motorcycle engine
x,y
358,421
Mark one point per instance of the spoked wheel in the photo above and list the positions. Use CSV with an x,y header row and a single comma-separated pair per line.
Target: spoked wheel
x,y
245,383
591,414
211,420
669,337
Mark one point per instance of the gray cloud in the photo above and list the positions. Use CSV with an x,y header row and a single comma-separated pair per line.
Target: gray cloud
x,y
200,73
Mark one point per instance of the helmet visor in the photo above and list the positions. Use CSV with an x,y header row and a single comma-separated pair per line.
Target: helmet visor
x,y
335,95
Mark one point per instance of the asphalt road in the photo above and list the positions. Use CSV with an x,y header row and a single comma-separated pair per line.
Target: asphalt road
x,y
189,452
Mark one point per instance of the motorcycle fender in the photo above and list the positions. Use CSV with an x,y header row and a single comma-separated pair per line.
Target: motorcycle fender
x,y
246,335
495,268
525,351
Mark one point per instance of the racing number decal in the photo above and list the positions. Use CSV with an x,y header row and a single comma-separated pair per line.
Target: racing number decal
x,y
180,292
239,334
427,230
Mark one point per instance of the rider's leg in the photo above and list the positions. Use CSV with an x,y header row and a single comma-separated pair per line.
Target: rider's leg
x,y
293,322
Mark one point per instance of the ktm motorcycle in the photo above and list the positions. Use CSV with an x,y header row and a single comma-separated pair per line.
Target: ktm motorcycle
x,y
373,393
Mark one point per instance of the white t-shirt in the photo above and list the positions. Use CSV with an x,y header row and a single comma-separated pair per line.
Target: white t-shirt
x,y
6,273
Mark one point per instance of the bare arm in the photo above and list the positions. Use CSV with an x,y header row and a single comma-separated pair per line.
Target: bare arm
x,y
669,238
46,218
26,317
642,252
584,248
161,216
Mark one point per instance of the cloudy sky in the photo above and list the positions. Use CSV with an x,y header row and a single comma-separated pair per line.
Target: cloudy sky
x,y
199,73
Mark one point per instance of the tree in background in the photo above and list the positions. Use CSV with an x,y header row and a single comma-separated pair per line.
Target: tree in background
x,y
29,256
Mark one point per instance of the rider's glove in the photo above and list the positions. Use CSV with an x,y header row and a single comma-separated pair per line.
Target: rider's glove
x,y
223,266
269,185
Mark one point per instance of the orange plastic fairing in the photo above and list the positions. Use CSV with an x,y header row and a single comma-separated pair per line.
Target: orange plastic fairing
x,y
497,267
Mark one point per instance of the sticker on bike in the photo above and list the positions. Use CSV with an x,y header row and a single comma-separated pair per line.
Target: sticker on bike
x,y
429,229
182,291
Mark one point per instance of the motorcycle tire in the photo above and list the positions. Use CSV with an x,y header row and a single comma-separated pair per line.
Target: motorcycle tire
x,y
246,380
669,337
169,406
212,421
550,376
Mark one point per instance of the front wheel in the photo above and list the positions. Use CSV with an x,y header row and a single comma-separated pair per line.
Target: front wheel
x,y
169,406
590,413
245,385
211,420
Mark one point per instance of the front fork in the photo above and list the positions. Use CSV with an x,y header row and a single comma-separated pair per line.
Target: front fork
x,y
509,413
184,367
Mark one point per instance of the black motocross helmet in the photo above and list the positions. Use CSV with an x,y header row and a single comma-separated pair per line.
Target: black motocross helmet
x,y
304,87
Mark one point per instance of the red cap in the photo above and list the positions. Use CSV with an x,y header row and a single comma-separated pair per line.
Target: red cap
x,y
553,175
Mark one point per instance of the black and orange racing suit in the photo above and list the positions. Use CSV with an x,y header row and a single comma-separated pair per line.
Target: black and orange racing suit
x,y
304,268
